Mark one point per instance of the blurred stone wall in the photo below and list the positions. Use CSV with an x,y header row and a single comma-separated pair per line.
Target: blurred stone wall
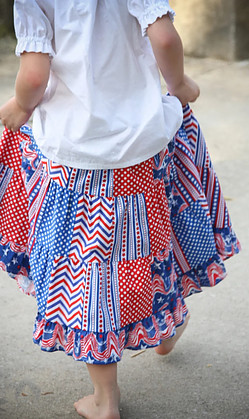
x,y
213,28
6,17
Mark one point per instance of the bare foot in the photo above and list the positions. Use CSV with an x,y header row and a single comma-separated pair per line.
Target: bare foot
x,y
89,408
168,344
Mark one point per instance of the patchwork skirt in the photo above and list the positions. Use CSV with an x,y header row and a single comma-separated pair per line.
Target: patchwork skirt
x,y
110,255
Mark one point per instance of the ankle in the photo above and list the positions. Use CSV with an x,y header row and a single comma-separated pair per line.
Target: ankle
x,y
106,395
108,403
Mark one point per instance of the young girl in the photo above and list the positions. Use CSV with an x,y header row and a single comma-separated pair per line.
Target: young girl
x,y
126,216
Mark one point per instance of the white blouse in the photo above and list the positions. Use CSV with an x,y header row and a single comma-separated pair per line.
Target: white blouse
x,y
103,106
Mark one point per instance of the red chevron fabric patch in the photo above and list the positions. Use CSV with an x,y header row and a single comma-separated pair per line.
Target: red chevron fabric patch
x,y
93,229
66,292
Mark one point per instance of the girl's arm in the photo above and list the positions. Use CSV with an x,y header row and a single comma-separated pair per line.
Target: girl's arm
x,y
168,51
31,82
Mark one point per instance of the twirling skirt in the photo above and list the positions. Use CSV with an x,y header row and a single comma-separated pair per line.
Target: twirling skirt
x,y
110,255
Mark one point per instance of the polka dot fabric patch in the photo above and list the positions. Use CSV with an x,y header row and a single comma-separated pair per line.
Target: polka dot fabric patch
x,y
14,203
133,180
158,218
9,150
135,290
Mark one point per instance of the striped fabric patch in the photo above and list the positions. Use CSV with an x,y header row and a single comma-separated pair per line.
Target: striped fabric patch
x,y
5,177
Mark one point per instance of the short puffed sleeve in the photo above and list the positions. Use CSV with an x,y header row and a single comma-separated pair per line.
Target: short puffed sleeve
x,y
33,29
148,11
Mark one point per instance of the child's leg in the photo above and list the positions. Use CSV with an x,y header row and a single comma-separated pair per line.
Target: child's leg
x,y
168,344
104,403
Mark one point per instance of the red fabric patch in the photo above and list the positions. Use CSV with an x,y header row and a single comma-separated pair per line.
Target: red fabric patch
x,y
14,205
158,218
10,158
135,290
133,180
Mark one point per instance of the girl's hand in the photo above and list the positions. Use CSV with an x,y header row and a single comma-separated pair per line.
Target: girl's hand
x,y
13,116
187,91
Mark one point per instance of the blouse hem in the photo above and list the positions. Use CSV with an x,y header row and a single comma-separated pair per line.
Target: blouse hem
x,y
102,166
